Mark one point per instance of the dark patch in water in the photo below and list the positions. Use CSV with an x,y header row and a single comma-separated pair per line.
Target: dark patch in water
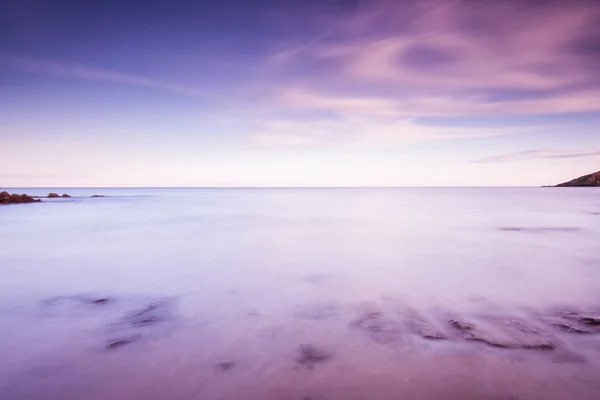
x,y
572,322
318,312
565,326
317,278
420,326
380,328
154,313
310,355
461,326
586,319
225,366
117,343
504,333
539,230
101,301
79,299
157,319
567,356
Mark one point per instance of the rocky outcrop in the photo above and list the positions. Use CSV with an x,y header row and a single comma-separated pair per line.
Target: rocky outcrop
x,y
584,181
51,195
510,333
7,198
66,195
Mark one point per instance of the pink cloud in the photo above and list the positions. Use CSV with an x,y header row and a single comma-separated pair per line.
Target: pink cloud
x,y
450,57
519,50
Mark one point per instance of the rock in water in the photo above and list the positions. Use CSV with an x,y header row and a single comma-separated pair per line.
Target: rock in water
x,y
66,195
51,195
584,181
6,198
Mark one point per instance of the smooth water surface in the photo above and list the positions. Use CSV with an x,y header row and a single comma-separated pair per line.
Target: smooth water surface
x,y
212,293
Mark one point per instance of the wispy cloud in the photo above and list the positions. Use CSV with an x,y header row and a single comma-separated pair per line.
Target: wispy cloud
x,y
355,132
287,55
387,64
453,58
538,153
496,44
48,67
443,104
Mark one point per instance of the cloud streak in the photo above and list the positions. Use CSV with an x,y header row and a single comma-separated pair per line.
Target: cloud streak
x,y
353,132
96,74
538,153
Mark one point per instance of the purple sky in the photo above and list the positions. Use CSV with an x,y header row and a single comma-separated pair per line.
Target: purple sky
x,y
298,93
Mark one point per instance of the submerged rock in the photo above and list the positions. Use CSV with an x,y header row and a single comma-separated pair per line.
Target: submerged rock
x,y
504,333
115,344
225,366
589,320
97,195
157,319
428,333
66,195
380,328
460,325
539,229
103,300
79,299
471,332
7,198
310,355
318,311
145,320
567,326
152,313
420,325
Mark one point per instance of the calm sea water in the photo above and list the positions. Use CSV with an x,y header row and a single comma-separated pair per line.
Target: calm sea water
x,y
296,293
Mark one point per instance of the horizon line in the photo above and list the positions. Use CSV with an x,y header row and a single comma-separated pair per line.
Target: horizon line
x,y
265,187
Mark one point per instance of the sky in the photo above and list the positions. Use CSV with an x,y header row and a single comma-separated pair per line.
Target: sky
x,y
298,93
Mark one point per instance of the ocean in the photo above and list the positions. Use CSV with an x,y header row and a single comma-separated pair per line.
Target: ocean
x,y
301,293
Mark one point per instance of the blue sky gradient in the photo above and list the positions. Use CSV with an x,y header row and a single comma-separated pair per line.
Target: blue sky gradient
x,y
291,93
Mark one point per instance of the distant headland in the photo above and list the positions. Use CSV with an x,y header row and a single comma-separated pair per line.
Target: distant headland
x,y
590,180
